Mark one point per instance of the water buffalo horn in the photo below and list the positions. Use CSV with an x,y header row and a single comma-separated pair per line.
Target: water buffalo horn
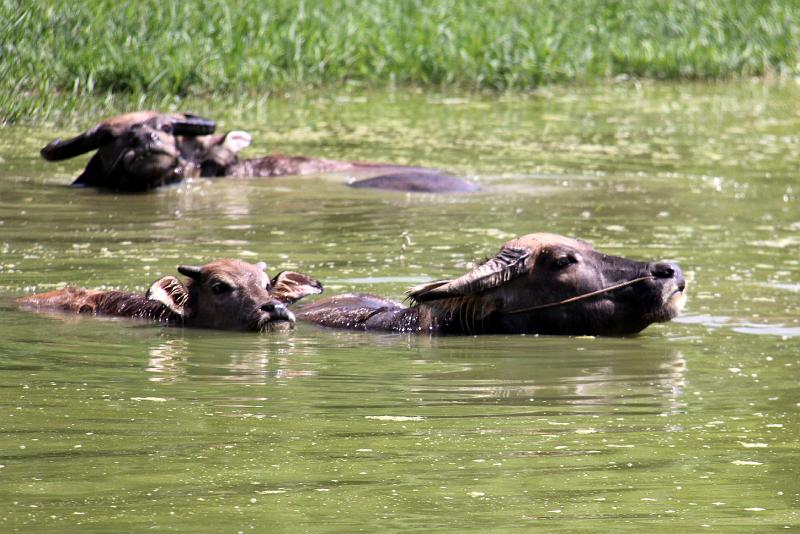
x,y
85,142
193,125
509,263
190,271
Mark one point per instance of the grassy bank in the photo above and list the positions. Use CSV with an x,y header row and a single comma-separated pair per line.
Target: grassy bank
x,y
56,52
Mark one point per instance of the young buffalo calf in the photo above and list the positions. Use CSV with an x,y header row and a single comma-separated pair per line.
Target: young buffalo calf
x,y
226,294
536,284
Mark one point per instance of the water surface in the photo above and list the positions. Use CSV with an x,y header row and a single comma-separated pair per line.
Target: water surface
x,y
118,425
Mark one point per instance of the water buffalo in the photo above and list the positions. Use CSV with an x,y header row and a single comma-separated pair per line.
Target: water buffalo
x,y
135,151
536,284
143,150
226,294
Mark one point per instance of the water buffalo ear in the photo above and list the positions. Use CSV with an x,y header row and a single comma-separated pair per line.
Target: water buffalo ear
x,y
508,264
236,140
191,271
261,266
170,292
290,286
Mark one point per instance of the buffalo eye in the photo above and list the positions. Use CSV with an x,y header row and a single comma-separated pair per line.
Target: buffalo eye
x,y
563,262
219,288
166,128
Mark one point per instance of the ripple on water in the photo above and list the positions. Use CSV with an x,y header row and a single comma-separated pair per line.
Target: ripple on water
x,y
742,327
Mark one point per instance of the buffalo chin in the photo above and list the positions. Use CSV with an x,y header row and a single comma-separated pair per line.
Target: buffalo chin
x,y
278,326
153,164
673,305
673,302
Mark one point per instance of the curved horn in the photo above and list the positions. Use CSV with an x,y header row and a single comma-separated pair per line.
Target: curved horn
x,y
85,142
190,271
193,125
509,263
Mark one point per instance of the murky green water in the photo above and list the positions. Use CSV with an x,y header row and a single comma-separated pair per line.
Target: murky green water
x,y
112,425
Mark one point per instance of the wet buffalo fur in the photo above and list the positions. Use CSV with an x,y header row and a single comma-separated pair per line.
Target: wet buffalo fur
x,y
536,284
226,294
115,303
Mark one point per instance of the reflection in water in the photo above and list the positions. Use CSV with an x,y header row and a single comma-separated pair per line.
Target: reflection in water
x,y
167,360
591,376
254,363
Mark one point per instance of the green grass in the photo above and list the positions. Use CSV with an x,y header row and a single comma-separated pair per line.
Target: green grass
x,y
54,53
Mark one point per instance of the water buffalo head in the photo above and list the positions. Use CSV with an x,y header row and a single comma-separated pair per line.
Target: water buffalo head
x,y
549,284
135,151
233,295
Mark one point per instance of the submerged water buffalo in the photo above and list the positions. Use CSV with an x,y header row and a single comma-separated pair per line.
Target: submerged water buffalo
x,y
217,155
143,150
536,284
226,294
135,151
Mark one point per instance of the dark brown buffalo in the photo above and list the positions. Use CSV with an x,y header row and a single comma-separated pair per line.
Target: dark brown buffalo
x,y
536,284
143,150
135,151
226,294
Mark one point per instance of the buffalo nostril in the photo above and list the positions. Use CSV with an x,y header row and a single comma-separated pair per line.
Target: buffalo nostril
x,y
663,270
